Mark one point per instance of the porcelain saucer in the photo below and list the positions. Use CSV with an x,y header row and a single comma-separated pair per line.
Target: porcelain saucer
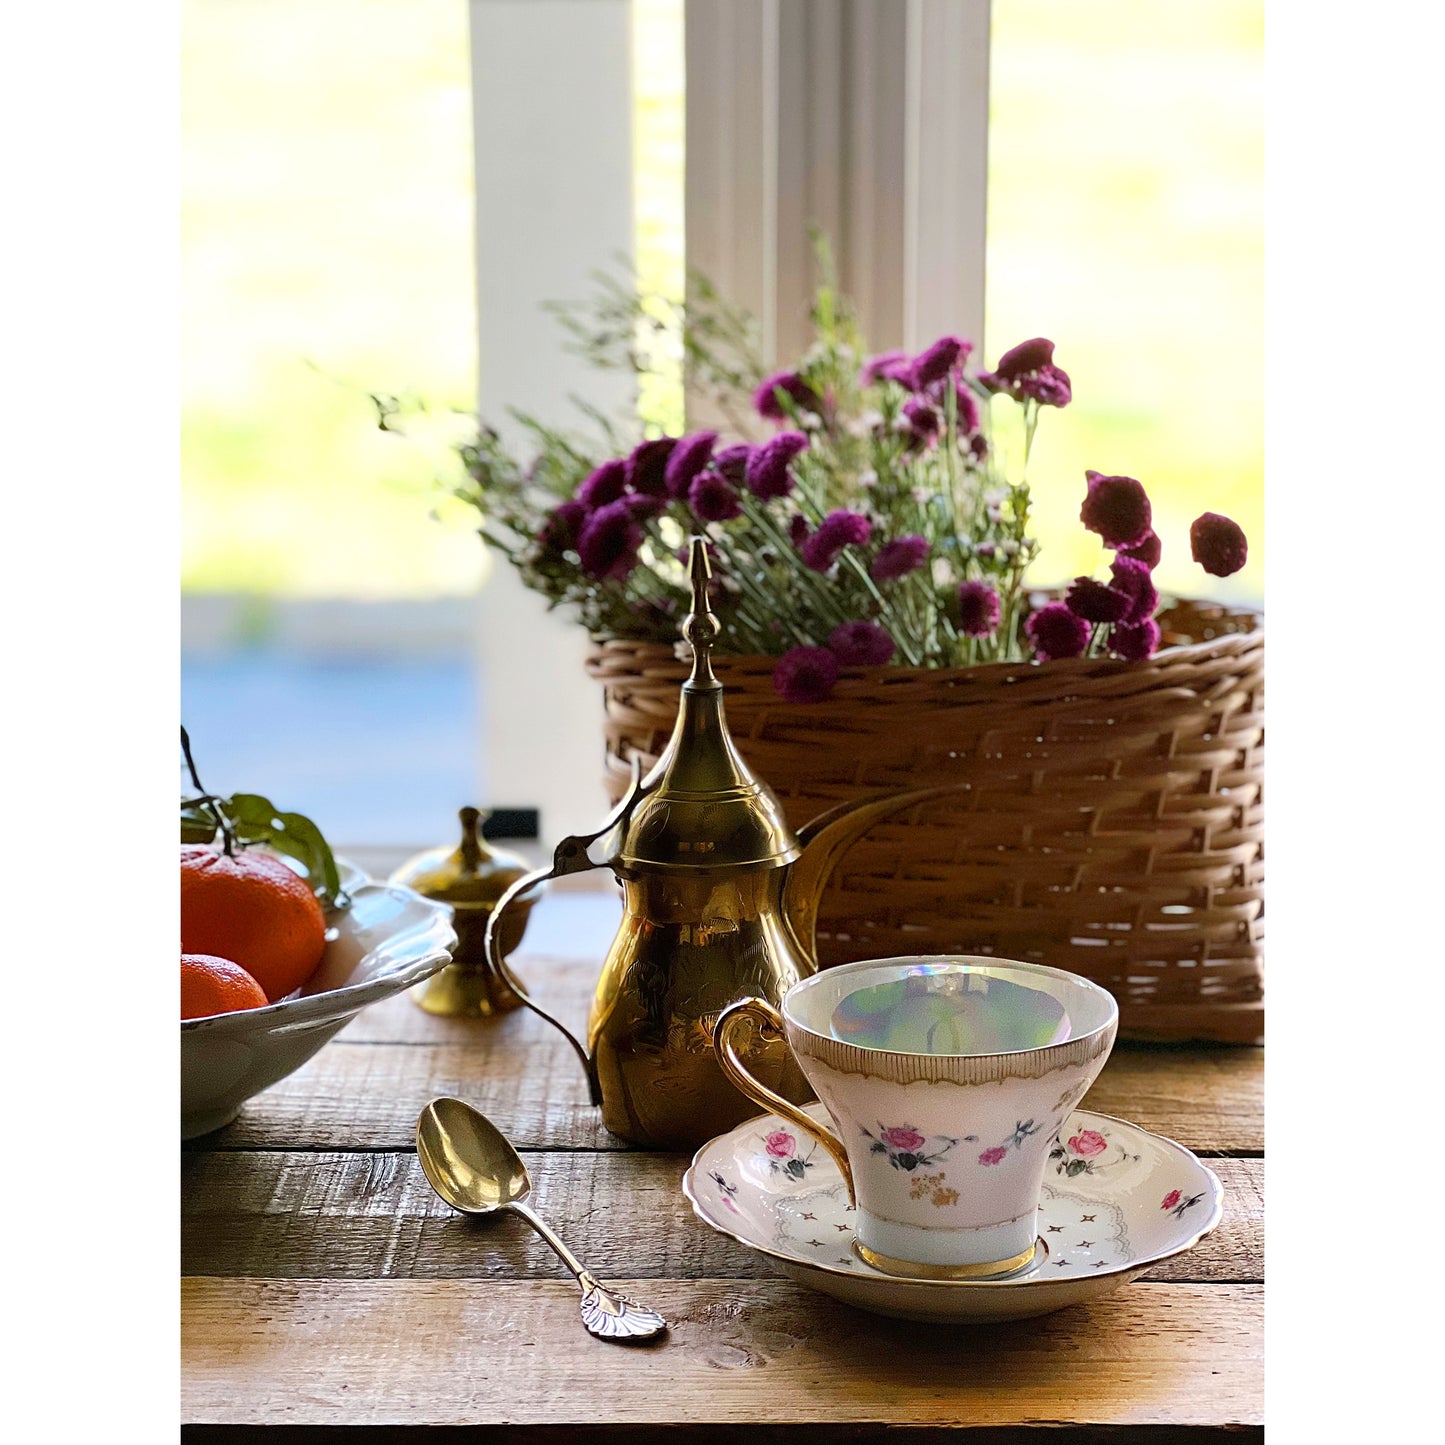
x,y
1116,1200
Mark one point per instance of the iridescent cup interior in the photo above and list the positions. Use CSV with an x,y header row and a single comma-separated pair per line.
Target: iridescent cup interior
x,y
949,1006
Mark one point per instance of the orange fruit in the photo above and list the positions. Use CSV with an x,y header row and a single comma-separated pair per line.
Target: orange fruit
x,y
211,985
252,909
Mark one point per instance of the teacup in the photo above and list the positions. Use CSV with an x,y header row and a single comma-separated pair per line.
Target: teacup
x,y
947,1079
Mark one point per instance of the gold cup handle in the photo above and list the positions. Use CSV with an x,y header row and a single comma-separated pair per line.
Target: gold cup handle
x,y
770,1028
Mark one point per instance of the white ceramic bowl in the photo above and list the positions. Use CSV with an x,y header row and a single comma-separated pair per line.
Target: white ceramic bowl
x,y
389,939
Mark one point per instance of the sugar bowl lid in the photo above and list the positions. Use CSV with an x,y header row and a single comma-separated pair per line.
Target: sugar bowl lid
x,y
471,875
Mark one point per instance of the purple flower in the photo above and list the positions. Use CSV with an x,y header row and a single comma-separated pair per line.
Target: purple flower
x,y
1049,387
732,462
923,421
602,485
1218,544
1028,371
969,416
798,530
644,507
861,644
1135,643
806,674
1117,508
888,366
1095,602
792,386
1131,577
899,557
941,358
978,609
713,499
609,542
562,527
1024,359
767,473
1148,551
836,531
647,466
688,458
995,1155
1056,632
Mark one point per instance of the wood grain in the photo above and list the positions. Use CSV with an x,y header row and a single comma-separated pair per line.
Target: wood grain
x,y
452,1352
374,1216
366,1095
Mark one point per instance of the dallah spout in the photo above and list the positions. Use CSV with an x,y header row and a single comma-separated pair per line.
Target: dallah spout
x,y
825,840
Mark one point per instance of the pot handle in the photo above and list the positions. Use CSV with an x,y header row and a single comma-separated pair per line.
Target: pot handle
x,y
572,855
770,1028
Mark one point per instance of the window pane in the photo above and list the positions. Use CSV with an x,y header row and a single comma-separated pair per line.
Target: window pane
x,y
657,166
1125,222
327,250
328,627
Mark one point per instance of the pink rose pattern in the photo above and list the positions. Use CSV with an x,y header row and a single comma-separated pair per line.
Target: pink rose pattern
x,y
780,1144
1176,1203
904,1136
907,1148
1084,1154
781,1149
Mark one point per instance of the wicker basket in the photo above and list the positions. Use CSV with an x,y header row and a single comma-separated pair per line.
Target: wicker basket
x,y
1112,824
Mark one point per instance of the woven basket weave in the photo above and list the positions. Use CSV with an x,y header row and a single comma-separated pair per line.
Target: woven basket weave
x,y
1112,824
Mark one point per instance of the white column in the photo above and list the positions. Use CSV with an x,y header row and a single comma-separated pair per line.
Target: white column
x,y
947,170
552,102
868,118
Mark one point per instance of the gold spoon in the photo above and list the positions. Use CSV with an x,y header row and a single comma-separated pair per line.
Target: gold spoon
x,y
471,1164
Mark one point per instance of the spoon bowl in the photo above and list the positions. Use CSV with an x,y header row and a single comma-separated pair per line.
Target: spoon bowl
x,y
469,1161
473,1167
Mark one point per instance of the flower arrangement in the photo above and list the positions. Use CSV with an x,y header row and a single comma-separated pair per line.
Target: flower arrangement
x,y
877,523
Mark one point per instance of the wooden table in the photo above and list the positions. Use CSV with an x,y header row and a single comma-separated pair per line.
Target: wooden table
x,y
327,1292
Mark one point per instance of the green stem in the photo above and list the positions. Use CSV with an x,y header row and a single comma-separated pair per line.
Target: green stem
x,y
905,643
209,801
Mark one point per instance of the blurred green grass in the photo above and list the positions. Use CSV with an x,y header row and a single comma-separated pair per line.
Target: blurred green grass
x,y
327,250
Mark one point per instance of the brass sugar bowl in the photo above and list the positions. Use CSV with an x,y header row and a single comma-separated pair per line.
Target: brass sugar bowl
x,y
720,901
472,877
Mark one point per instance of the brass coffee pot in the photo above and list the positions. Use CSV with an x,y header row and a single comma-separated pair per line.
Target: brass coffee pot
x,y
720,901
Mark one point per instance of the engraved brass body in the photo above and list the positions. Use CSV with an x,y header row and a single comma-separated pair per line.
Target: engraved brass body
x,y
720,901
472,877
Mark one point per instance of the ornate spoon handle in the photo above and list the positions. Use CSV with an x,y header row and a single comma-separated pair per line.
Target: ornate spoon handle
x,y
606,1313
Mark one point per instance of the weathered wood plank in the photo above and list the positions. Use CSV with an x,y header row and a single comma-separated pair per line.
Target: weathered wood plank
x,y
522,1073
365,1089
561,983
478,1352
374,1216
